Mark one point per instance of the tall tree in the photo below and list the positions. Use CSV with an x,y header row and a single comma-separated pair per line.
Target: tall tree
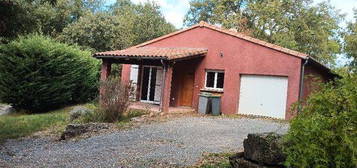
x,y
19,17
294,24
350,39
100,32
123,25
146,20
53,18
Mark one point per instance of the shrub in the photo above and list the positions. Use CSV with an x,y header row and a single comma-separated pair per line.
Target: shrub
x,y
114,100
38,74
324,134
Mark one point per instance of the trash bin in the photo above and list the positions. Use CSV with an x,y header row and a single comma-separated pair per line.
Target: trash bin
x,y
209,103
215,104
203,103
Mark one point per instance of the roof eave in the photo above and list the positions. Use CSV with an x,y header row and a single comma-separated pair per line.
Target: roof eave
x,y
322,66
129,57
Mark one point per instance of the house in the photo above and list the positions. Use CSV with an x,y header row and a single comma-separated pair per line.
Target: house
x,y
253,77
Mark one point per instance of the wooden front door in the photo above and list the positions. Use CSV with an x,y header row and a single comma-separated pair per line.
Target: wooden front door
x,y
186,89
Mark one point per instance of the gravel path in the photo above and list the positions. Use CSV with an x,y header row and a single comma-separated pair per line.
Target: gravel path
x,y
177,143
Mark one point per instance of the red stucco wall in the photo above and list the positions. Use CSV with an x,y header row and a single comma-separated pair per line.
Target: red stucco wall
x,y
239,57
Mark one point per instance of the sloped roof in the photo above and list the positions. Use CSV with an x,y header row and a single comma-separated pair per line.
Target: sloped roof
x,y
155,53
232,33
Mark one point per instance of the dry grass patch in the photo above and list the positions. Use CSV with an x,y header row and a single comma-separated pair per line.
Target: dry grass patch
x,y
214,160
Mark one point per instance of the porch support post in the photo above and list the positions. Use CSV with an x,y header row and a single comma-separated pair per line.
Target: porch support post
x,y
105,69
104,74
138,85
166,90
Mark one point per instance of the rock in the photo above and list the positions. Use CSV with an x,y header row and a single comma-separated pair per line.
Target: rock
x,y
6,109
265,148
78,111
238,161
73,130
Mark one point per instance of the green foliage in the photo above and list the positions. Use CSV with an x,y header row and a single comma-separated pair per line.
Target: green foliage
x,y
21,17
145,20
290,23
123,25
350,38
15,19
325,133
100,31
39,74
19,125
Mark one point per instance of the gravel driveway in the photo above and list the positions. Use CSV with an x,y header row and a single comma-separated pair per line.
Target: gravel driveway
x,y
177,143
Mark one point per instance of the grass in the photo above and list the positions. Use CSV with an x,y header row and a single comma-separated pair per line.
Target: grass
x,y
215,160
19,125
125,120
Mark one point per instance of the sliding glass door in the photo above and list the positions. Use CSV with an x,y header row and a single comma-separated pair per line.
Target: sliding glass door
x,y
151,84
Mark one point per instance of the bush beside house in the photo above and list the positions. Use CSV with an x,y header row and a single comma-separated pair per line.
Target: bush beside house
x,y
38,74
114,102
324,134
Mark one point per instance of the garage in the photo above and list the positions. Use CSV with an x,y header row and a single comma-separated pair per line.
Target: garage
x,y
262,95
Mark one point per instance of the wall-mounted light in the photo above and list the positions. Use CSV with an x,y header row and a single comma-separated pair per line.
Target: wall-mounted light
x,y
221,54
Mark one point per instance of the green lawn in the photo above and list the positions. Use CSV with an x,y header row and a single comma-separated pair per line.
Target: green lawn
x,y
19,125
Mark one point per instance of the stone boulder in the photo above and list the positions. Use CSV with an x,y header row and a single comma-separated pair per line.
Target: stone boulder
x,y
73,130
264,148
6,109
78,111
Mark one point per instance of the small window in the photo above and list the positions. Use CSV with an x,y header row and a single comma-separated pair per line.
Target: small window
x,y
214,80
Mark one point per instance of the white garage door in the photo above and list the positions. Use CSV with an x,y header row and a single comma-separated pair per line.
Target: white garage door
x,y
263,95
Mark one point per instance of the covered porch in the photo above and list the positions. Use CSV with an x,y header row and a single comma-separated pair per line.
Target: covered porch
x,y
163,78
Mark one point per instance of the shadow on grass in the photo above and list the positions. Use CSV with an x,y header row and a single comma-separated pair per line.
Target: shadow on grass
x,y
20,124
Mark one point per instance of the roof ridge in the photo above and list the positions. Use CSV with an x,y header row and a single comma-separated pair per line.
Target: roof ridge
x,y
165,36
173,47
254,40
232,33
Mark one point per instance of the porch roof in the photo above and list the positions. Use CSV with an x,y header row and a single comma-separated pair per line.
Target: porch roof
x,y
166,53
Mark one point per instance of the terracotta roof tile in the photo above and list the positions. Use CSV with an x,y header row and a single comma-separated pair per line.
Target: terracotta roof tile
x,y
155,52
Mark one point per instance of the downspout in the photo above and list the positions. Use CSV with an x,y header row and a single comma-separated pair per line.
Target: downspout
x,y
302,82
163,85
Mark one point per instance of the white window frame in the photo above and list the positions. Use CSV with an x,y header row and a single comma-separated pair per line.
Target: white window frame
x,y
214,80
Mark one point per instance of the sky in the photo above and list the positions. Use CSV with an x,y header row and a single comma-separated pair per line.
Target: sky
x,y
174,10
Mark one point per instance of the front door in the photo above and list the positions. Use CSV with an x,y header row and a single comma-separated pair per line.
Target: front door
x,y
151,84
187,90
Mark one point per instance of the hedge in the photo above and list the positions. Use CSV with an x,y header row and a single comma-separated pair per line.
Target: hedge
x,y
38,74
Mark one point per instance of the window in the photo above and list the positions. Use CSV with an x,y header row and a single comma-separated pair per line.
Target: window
x,y
214,80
